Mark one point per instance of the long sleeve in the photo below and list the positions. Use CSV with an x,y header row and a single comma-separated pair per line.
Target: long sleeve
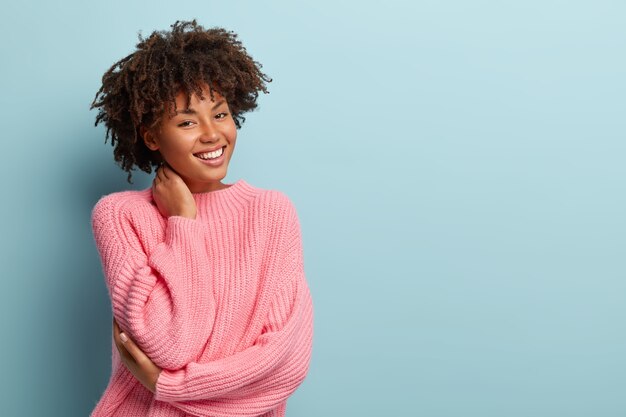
x,y
261,377
162,298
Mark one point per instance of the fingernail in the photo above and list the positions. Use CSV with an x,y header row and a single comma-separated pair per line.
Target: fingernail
x,y
123,337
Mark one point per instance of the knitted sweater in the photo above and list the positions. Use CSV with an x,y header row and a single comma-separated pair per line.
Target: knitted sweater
x,y
220,303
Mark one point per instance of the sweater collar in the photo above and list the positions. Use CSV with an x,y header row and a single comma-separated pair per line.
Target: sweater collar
x,y
226,201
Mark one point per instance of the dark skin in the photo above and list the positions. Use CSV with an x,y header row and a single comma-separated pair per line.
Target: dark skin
x,y
173,198
163,65
136,88
135,360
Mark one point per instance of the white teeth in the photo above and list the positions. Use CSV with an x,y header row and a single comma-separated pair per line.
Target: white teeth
x,y
210,155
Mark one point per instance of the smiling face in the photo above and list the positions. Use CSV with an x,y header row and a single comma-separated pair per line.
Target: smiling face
x,y
198,141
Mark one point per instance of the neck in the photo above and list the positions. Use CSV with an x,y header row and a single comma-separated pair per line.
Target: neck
x,y
206,187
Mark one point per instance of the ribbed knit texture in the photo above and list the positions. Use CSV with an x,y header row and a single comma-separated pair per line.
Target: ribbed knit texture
x,y
220,303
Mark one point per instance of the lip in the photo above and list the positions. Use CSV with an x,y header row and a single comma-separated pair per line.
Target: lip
x,y
213,162
210,150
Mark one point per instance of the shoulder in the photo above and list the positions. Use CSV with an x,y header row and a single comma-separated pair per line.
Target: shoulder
x,y
275,204
121,206
276,212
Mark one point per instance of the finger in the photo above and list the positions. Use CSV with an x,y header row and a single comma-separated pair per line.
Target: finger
x,y
160,174
155,181
132,348
124,355
116,331
116,335
171,172
166,170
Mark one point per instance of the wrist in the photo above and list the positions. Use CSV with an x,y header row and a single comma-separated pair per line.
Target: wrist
x,y
153,385
189,214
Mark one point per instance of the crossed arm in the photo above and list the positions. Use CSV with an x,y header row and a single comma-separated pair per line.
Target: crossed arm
x,y
248,383
151,299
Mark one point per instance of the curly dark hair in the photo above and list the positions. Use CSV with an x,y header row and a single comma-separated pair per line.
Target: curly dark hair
x,y
141,88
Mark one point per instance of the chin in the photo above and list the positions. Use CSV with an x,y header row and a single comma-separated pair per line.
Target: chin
x,y
217,176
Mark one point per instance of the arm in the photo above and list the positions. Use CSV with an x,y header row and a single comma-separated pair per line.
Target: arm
x,y
162,299
264,375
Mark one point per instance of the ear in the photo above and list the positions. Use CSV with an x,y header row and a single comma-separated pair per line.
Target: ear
x,y
149,138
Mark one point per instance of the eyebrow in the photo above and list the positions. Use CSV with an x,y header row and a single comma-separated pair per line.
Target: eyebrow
x,y
190,110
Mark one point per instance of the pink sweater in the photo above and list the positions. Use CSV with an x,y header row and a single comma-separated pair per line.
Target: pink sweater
x,y
220,303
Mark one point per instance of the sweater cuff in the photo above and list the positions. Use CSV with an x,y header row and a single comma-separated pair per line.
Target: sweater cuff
x,y
180,229
168,385
182,237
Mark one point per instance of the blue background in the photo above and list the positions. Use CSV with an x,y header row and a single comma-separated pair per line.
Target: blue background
x,y
458,169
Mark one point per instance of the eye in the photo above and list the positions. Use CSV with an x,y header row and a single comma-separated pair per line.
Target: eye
x,y
186,123
222,115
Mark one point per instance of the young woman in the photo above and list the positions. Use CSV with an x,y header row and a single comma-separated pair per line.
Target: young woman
x,y
212,312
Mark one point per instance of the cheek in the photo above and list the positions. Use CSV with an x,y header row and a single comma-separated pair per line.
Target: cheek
x,y
232,132
177,145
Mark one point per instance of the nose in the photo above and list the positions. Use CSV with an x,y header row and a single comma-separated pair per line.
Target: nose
x,y
209,134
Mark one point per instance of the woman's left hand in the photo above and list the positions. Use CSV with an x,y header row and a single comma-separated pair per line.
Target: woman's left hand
x,y
135,360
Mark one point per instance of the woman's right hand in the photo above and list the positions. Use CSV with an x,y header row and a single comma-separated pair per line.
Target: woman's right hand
x,y
171,194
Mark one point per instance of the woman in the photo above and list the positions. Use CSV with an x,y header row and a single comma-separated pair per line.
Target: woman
x,y
212,312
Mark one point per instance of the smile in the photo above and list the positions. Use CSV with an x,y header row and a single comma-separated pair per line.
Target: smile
x,y
210,155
